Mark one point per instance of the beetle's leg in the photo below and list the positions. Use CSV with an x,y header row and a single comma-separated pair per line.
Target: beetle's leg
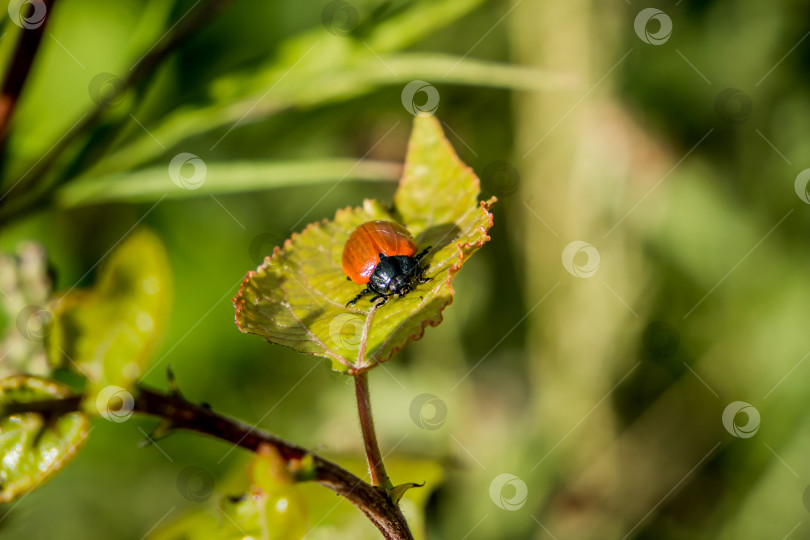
x,y
381,302
356,298
424,252
422,278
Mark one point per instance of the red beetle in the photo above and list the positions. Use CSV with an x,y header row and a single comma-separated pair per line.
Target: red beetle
x,y
381,255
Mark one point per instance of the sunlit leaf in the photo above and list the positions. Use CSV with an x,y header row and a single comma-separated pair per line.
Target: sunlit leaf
x,y
108,333
33,447
298,296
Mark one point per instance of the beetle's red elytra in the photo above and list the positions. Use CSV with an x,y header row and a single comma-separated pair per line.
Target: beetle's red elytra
x,y
380,254
361,254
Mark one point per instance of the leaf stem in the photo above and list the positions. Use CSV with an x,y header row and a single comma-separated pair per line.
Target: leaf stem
x,y
376,467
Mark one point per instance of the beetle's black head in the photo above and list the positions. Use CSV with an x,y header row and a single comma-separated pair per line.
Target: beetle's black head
x,y
394,275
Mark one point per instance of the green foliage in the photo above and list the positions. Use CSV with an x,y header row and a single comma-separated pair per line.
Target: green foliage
x,y
96,332
108,333
298,296
34,447
315,68
272,508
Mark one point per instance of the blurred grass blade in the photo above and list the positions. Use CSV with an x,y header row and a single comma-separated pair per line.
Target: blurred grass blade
x,y
229,177
450,69
316,85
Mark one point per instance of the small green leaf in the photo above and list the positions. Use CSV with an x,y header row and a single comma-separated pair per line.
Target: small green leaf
x,y
33,447
397,492
108,333
298,296
273,509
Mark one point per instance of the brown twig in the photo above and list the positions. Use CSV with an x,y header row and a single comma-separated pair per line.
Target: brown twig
x,y
182,414
372,501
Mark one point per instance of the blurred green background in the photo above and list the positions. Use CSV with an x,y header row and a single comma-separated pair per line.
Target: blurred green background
x,y
674,156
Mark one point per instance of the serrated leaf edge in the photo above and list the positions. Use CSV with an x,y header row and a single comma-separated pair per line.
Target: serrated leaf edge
x,y
464,251
239,300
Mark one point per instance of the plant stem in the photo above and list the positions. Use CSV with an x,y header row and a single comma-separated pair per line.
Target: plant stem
x,y
376,467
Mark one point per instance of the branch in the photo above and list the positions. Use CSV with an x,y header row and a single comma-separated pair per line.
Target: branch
x,y
17,73
182,414
372,501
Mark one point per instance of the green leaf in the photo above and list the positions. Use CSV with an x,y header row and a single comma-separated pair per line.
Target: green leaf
x,y
329,517
398,491
298,296
32,449
109,333
24,320
154,182
271,509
